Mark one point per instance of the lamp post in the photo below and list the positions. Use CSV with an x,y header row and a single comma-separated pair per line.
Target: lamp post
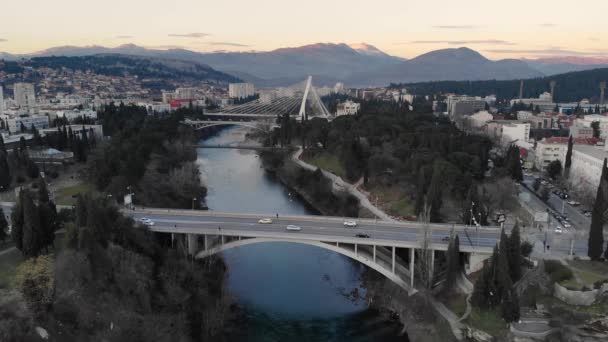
x,y
193,200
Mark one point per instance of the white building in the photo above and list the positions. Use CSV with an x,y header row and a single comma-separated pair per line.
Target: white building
x,y
1,100
185,93
508,131
240,90
25,97
38,121
587,120
71,115
544,102
339,88
586,168
348,108
523,115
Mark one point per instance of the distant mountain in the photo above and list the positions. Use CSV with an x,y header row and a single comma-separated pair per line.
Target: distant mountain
x,y
570,87
146,68
327,63
559,65
447,64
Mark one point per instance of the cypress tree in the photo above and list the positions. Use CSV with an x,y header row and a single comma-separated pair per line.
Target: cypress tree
x,y
503,278
43,193
480,296
434,194
17,222
33,235
3,225
2,147
515,254
5,172
568,161
596,231
420,191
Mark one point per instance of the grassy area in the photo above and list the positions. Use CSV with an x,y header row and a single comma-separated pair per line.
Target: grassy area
x,y
8,265
589,271
329,163
489,321
391,199
64,196
597,309
457,303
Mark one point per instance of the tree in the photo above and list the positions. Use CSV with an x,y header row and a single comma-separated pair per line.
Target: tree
x,y
43,193
33,235
554,169
453,262
510,306
515,254
544,193
596,231
420,191
17,222
568,161
503,278
596,129
514,163
5,172
2,146
3,226
434,194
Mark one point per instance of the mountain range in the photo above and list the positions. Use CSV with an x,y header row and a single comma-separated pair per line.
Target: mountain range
x,y
356,65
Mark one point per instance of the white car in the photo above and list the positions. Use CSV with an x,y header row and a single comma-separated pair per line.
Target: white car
x,y
144,219
350,223
293,228
567,225
558,230
265,221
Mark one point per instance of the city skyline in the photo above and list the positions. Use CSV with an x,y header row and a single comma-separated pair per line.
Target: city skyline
x,y
542,29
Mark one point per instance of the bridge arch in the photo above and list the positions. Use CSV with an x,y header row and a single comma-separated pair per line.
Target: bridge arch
x,y
248,124
361,254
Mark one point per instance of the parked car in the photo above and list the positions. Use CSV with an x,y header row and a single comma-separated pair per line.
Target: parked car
x,y
350,223
567,225
574,203
587,213
265,221
292,227
558,230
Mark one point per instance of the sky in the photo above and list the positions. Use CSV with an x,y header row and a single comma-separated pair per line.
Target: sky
x,y
405,28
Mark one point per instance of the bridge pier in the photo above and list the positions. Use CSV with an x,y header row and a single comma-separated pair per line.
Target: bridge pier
x,y
356,253
374,253
205,242
393,263
192,244
412,255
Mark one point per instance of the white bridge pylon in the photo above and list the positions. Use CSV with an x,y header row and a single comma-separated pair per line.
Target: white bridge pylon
x,y
300,99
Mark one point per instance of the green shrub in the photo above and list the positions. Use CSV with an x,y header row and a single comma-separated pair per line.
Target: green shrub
x,y
557,271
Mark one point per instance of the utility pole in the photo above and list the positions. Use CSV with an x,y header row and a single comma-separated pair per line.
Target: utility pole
x,y
602,91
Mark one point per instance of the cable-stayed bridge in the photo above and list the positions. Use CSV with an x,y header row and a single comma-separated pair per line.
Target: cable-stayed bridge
x,y
299,100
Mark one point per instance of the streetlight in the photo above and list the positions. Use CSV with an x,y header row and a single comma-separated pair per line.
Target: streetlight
x,y
193,200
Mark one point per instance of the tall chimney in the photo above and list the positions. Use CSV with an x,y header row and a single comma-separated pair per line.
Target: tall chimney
x,y
521,89
552,83
602,90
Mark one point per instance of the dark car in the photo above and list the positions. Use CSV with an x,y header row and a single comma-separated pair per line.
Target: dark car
x,y
361,235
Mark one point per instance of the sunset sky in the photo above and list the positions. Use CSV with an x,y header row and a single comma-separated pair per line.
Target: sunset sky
x,y
406,28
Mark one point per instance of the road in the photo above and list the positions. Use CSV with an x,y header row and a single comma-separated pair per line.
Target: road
x,y
315,228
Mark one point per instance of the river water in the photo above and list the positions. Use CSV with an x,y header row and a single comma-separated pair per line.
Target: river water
x,y
288,292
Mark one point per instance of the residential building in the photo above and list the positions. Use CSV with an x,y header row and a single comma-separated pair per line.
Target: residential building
x,y
97,129
1,100
541,121
240,90
24,95
185,93
508,131
71,115
347,108
586,167
587,120
544,102
458,106
38,121
579,131
523,115
555,148
51,156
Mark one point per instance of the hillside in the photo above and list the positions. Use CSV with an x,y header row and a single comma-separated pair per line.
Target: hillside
x,y
571,87
447,64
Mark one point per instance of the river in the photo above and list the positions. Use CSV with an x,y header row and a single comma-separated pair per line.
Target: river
x,y
287,292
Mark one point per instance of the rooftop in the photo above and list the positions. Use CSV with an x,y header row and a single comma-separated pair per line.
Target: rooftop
x,y
596,152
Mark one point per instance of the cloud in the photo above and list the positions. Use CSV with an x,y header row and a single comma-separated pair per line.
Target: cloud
x,y
594,39
189,35
548,25
124,37
165,47
465,42
551,51
227,44
3,40
456,27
